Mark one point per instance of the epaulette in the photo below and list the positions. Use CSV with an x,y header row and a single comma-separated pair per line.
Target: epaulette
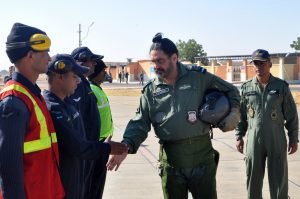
x,y
247,81
147,84
197,68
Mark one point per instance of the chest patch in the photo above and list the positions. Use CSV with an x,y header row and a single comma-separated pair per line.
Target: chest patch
x,y
192,116
160,92
75,115
251,93
274,92
184,87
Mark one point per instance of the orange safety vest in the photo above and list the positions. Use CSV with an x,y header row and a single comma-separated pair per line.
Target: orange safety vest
x,y
41,159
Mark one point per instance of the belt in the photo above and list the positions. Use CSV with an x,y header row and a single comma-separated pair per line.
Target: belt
x,y
189,140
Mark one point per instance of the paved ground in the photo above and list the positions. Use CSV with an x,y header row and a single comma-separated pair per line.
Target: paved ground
x,y
137,178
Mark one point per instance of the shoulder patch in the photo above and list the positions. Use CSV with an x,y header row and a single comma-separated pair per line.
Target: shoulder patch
x,y
147,84
197,68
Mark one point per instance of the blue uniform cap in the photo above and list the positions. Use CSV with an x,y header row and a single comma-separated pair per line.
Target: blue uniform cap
x,y
84,54
63,63
260,55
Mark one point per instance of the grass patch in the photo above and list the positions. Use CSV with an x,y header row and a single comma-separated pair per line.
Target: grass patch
x,y
123,92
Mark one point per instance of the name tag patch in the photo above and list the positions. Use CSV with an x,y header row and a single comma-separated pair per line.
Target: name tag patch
x,y
251,93
160,92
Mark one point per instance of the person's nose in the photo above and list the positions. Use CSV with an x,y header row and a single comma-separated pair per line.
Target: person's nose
x,y
157,66
49,58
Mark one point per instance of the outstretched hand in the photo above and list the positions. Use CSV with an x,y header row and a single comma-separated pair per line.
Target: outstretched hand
x,y
115,161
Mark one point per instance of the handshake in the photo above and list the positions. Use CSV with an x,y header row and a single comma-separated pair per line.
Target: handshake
x,y
117,148
119,152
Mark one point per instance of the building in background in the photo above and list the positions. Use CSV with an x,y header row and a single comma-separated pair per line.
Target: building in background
x,y
235,68
238,68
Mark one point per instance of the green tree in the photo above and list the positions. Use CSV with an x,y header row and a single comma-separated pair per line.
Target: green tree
x,y
191,49
296,44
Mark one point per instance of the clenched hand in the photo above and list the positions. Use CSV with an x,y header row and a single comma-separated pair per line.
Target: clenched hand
x,y
230,121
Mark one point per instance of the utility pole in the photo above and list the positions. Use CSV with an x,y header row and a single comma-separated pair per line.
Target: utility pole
x,y
87,33
79,31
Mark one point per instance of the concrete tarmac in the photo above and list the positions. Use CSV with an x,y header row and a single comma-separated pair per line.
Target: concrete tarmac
x,y
137,177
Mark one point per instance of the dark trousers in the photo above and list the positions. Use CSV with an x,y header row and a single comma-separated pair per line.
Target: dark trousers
x,y
88,172
98,178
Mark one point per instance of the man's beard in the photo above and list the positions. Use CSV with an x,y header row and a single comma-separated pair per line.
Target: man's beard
x,y
164,73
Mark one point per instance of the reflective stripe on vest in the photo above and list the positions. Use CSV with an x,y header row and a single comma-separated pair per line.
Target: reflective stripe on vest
x,y
45,140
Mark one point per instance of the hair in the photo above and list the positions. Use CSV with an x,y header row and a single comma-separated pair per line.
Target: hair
x,y
50,76
164,44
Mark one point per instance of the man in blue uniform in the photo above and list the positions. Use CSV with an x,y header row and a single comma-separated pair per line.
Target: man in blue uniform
x,y
63,79
86,102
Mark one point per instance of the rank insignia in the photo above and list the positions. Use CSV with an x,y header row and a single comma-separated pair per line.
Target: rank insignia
x,y
274,115
192,116
251,111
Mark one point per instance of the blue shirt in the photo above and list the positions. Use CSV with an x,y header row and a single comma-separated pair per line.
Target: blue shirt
x,y
86,102
72,144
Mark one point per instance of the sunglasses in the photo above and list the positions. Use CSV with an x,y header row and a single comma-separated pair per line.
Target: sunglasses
x,y
260,63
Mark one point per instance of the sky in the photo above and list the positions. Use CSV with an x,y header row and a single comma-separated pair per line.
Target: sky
x,y
121,29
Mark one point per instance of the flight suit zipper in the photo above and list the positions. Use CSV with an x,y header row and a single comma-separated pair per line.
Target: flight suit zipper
x,y
263,103
173,99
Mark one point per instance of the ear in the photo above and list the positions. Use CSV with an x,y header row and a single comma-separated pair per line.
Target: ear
x,y
30,56
174,58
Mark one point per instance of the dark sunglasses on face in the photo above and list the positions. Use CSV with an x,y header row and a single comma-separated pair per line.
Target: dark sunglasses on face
x,y
260,63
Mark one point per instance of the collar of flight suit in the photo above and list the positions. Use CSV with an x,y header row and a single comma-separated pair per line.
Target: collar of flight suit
x,y
271,79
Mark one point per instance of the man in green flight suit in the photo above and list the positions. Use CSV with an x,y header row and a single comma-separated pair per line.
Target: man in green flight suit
x,y
170,103
267,107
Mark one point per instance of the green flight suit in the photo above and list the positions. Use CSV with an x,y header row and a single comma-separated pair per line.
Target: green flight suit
x,y
264,114
186,155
